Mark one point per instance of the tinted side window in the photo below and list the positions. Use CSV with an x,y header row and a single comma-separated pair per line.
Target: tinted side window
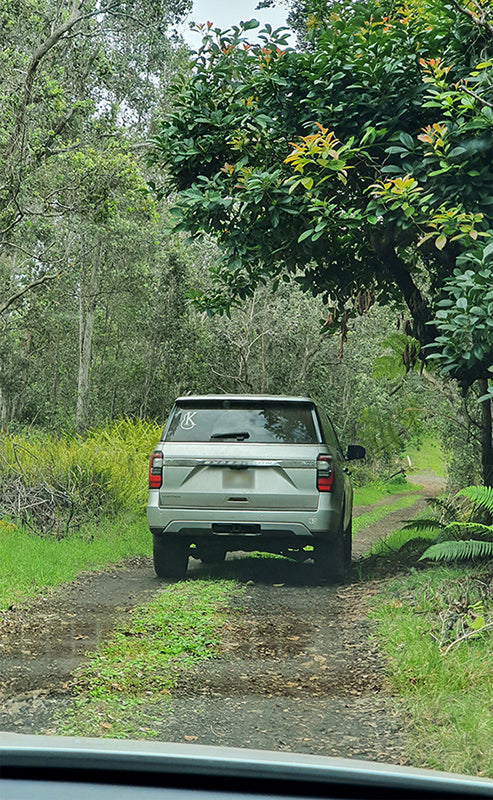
x,y
329,434
260,422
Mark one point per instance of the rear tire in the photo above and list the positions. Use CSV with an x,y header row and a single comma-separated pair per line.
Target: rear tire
x,y
329,557
170,557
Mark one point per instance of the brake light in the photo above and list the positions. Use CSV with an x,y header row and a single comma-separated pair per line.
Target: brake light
x,y
325,473
156,470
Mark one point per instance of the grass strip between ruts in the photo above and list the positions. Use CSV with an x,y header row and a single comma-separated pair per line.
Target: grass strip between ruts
x,y
118,687
380,512
372,492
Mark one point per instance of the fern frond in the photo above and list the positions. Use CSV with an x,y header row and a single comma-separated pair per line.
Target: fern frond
x,y
423,524
459,550
463,530
445,507
480,496
442,536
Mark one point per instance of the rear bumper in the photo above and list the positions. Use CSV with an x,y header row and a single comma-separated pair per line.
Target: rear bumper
x,y
193,521
187,528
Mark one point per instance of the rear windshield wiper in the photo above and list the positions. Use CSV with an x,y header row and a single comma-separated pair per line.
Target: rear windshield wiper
x,y
231,435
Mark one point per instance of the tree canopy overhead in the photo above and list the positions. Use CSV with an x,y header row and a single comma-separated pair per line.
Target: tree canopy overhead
x,y
359,164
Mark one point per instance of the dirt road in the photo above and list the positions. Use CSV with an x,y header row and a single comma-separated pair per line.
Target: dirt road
x,y
299,671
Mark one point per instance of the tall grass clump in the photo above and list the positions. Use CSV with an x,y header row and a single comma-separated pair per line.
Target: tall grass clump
x,y
121,450
53,484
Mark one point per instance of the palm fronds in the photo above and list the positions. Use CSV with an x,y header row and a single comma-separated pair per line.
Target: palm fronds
x,y
423,524
462,529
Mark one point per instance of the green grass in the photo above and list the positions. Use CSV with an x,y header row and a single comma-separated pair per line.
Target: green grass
x,y
380,512
447,695
427,456
371,493
31,563
140,663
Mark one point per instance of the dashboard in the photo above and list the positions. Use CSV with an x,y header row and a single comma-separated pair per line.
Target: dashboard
x,y
53,768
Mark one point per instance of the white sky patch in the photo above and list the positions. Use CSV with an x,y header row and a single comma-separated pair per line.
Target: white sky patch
x,y
225,14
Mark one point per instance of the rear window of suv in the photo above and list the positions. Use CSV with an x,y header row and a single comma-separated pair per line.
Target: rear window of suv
x,y
249,421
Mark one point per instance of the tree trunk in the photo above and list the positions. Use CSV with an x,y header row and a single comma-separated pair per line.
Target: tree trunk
x,y
486,436
3,411
87,312
400,275
150,373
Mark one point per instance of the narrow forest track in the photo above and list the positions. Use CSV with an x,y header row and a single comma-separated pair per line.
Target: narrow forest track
x,y
299,668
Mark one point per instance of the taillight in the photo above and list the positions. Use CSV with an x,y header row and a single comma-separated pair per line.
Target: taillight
x,y
155,470
325,473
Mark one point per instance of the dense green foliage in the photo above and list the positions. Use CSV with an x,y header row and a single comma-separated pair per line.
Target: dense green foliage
x,y
96,323
358,165
81,82
317,163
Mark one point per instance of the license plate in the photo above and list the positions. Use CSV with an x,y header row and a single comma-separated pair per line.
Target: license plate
x,y
238,479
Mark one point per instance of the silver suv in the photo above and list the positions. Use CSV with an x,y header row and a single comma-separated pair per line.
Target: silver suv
x,y
250,472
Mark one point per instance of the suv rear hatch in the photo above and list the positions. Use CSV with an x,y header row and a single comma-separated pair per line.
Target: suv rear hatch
x,y
241,455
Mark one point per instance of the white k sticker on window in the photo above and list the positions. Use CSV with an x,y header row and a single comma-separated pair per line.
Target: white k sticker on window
x,y
187,422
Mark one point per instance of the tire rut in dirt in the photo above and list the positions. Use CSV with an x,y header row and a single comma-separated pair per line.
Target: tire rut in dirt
x,y
299,671
43,640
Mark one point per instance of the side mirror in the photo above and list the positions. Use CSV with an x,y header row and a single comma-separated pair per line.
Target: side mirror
x,y
354,452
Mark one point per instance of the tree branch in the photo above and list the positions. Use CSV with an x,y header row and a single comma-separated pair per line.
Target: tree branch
x,y
383,247
468,635
23,291
478,97
76,16
478,18
46,149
